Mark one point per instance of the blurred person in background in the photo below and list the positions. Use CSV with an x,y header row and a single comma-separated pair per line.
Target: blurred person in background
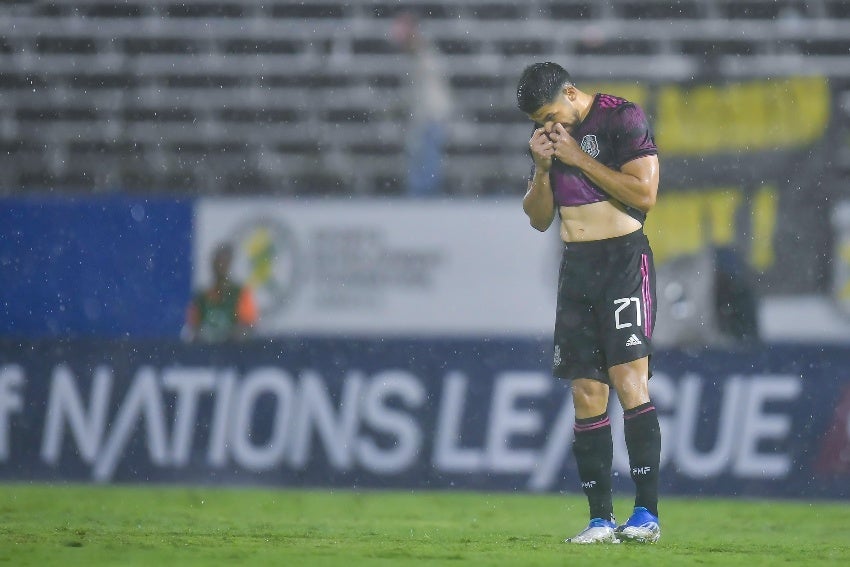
x,y
595,164
428,108
225,310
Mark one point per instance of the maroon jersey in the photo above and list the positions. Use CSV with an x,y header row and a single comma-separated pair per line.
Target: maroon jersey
x,y
614,132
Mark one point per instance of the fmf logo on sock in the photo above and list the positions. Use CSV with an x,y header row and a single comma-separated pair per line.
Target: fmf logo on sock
x,y
641,470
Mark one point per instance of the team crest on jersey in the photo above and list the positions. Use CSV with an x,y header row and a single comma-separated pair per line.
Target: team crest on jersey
x,y
590,145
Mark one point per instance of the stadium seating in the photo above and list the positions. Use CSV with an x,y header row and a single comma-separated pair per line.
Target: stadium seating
x,y
295,97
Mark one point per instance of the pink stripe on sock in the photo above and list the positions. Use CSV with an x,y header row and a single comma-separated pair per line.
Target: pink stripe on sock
x,y
591,426
644,410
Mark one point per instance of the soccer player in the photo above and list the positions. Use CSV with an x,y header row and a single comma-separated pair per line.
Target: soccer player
x,y
596,165
225,310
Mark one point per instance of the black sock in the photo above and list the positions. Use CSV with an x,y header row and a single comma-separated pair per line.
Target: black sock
x,y
594,451
643,441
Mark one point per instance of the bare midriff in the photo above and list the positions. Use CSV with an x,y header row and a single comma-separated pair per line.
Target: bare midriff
x,y
596,221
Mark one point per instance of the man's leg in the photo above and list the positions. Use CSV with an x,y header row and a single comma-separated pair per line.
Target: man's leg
x,y
643,441
593,449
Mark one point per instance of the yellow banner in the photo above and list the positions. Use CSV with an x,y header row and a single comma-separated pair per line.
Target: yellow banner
x,y
741,117
683,222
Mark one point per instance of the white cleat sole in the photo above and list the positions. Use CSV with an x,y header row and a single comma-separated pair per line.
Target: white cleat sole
x,y
638,535
593,537
590,541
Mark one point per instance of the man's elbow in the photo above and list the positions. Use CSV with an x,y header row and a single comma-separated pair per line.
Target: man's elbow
x,y
646,202
535,219
540,223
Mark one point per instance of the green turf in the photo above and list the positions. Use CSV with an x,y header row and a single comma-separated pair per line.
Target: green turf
x,y
87,525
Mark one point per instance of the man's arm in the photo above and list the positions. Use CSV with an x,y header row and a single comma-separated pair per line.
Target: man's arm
x,y
636,184
539,203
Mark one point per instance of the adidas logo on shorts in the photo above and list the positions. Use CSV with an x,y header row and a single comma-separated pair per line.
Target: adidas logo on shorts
x,y
633,341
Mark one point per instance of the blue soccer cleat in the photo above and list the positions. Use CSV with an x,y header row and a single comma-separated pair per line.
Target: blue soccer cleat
x,y
597,531
641,527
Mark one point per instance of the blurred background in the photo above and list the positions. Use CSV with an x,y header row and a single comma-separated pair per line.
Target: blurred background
x,y
362,162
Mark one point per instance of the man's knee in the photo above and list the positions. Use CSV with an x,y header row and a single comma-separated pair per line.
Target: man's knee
x,y
590,397
631,381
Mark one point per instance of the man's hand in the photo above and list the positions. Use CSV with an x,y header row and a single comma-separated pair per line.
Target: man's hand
x,y
542,150
565,147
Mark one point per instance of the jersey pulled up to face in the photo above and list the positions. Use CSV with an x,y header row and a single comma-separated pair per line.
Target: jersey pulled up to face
x,y
614,132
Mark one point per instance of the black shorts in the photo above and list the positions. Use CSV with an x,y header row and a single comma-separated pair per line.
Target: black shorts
x,y
606,306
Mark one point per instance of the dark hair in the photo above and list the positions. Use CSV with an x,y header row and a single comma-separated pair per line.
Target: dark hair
x,y
539,84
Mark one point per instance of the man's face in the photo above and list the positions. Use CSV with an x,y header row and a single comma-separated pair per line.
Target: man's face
x,y
561,110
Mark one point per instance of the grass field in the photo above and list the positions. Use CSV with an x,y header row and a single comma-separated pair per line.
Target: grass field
x,y
88,525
